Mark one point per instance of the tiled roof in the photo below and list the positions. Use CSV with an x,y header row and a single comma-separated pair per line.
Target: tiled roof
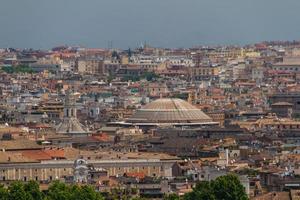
x,y
19,144
139,175
55,153
9,157
36,155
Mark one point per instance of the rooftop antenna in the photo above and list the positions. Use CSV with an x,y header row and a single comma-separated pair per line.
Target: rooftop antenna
x,y
110,44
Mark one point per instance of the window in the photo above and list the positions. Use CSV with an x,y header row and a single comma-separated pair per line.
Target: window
x,y
36,178
25,178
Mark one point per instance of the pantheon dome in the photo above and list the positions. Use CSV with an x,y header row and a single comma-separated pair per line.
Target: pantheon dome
x,y
169,111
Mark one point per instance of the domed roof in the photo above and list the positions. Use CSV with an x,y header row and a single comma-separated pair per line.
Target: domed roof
x,y
169,111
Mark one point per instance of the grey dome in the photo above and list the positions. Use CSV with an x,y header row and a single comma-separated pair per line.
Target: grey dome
x,y
169,110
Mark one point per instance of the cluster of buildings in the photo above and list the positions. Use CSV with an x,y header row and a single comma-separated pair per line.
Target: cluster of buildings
x,y
153,120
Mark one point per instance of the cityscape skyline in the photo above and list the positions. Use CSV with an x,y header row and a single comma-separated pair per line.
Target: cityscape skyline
x,y
142,100
124,24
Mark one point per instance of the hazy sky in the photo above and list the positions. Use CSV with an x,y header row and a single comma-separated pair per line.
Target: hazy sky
x,y
162,23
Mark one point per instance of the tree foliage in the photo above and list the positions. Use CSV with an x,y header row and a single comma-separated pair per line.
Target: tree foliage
x,y
17,192
149,76
18,69
57,191
3,193
33,190
171,197
224,187
229,188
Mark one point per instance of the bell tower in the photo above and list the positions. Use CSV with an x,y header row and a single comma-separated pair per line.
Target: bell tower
x,y
69,107
70,124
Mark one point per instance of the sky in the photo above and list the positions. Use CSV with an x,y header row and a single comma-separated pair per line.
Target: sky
x,y
43,24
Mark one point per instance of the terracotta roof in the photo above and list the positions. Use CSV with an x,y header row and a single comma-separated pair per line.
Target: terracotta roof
x,y
55,153
36,155
10,157
72,154
139,175
39,126
19,144
101,137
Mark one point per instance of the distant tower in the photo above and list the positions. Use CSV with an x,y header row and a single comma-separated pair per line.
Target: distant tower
x,y
69,107
70,124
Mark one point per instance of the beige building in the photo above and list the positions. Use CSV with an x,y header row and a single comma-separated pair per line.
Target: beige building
x,y
59,169
157,90
203,73
90,66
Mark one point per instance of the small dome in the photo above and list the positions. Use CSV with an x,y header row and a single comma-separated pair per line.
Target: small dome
x,y
169,111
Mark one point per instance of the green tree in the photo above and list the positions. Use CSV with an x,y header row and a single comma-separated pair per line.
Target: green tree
x,y
59,191
229,187
110,78
202,191
138,198
85,193
226,187
150,76
33,190
17,192
171,197
131,78
17,69
3,193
